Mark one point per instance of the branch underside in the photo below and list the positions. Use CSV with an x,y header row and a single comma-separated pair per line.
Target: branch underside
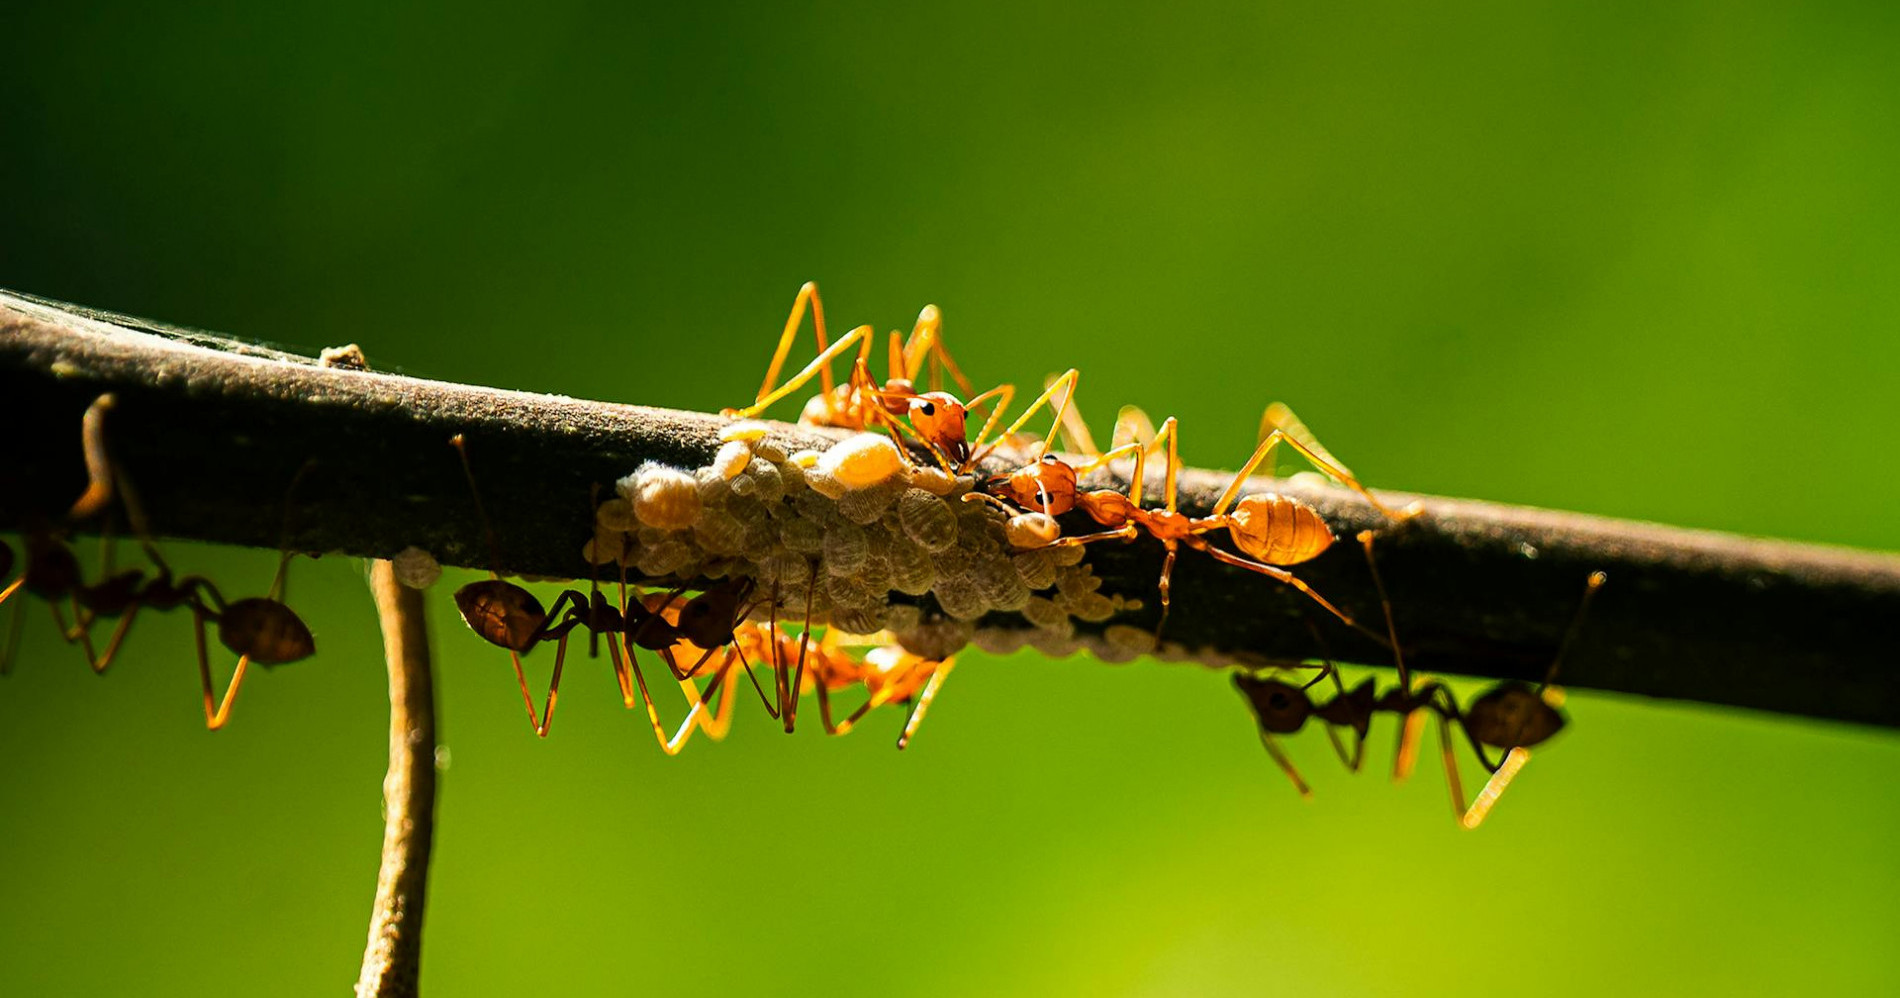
x,y
212,434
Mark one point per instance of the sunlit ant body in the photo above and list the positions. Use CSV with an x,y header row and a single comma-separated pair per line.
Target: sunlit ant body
x,y
1511,717
938,419
1272,531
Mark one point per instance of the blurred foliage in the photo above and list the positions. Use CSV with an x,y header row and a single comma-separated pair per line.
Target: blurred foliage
x,y
1627,259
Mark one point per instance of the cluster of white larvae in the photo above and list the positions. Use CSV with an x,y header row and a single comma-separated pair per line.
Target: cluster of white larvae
x,y
843,530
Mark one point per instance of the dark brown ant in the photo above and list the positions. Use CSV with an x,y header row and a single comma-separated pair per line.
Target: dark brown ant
x,y
258,629
509,616
1511,716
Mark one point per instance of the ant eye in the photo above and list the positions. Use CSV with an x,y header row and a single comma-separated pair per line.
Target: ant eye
x,y
927,408
1048,459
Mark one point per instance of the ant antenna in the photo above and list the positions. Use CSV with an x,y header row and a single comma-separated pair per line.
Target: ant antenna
x,y
1590,587
1385,603
488,528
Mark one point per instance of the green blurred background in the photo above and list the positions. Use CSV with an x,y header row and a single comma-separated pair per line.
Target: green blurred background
x,y
1631,259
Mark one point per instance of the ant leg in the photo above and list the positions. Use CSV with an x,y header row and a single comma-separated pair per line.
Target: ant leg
x,y
1059,392
1279,417
788,706
1135,477
1452,781
926,345
808,293
819,365
1286,765
1166,586
1075,432
13,629
101,663
1495,787
1004,395
771,707
670,746
922,704
1385,604
216,716
1276,437
719,722
542,723
1279,574
840,727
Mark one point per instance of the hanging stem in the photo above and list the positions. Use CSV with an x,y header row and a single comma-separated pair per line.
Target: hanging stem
x,y
393,958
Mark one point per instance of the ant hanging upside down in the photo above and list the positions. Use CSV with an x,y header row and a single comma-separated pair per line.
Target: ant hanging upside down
x,y
262,629
1512,717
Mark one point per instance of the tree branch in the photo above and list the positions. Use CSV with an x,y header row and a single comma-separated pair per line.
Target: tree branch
x,y
392,961
213,432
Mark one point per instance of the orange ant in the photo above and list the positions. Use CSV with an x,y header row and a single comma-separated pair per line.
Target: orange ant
x,y
1511,716
1274,531
258,629
937,418
508,616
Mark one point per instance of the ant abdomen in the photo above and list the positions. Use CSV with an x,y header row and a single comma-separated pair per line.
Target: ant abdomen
x,y
1277,529
1512,715
503,613
266,631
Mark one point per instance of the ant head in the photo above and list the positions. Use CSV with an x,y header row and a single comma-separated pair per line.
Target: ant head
x,y
503,613
1277,529
1049,481
1280,708
938,418
1512,715
266,630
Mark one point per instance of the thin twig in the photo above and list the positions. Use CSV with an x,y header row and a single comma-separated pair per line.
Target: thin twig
x,y
393,958
214,432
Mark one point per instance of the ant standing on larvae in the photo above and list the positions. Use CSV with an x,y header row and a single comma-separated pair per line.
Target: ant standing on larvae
x,y
258,629
1274,531
1511,716
936,418
508,616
